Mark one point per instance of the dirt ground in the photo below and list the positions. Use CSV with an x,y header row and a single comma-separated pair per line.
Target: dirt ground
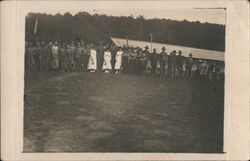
x,y
94,112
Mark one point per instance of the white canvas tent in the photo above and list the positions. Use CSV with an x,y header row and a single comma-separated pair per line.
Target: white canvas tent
x,y
197,53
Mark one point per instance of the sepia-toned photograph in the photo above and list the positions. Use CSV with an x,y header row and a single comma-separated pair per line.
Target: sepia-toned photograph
x,y
124,80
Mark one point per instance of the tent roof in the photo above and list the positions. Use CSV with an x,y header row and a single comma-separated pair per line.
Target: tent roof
x,y
197,53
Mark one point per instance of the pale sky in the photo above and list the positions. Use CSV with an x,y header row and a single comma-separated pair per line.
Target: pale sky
x,y
146,9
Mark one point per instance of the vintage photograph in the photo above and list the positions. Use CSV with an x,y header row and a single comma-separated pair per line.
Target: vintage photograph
x,y
124,80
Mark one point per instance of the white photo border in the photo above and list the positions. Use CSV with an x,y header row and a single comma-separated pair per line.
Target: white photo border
x,y
236,107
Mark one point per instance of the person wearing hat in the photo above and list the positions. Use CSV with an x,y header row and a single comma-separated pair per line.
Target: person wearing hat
x,y
125,59
172,64
118,60
92,64
146,54
62,58
139,62
106,67
71,54
163,57
78,57
179,63
189,64
153,61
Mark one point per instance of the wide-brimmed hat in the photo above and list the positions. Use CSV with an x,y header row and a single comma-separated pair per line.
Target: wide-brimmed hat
x,y
174,51
163,48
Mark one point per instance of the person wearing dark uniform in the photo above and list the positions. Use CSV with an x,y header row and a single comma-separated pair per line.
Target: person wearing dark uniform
x,y
113,55
125,60
179,63
163,60
172,64
71,53
48,56
37,56
29,57
100,52
153,61
132,61
78,57
189,64
139,62
146,53
63,58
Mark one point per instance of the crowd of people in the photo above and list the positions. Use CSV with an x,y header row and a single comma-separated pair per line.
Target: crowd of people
x,y
79,57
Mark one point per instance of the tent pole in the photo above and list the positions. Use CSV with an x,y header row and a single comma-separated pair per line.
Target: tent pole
x,y
151,40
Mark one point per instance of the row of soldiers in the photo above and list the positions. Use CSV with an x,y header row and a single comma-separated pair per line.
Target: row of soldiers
x,y
76,57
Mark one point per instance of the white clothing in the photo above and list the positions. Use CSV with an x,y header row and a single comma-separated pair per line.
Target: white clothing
x,y
107,61
54,51
118,60
92,65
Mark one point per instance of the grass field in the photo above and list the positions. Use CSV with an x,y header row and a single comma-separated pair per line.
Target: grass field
x,y
94,112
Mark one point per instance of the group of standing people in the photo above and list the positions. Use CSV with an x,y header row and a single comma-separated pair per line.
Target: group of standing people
x,y
77,57
74,57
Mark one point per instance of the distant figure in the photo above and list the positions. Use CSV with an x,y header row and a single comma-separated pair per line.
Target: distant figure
x,y
153,61
71,54
125,60
118,60
172,64
147,60
54,51
189,64
184,68
203,69
179,63
106,67
163,60
30,56
92,65
78,57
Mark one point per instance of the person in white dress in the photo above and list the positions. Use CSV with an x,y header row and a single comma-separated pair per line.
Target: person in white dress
x,y
106,67
92,64
118,60
54,51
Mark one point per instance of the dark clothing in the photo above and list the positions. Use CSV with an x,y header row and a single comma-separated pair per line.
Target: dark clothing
x,y
172,65
153,62
189,64
78,58
62,59
147,54
71,61
163,60
125,62
38,55
30,58
179,63
113,55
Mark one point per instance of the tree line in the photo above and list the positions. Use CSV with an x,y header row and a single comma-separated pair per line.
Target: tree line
x,y
99,28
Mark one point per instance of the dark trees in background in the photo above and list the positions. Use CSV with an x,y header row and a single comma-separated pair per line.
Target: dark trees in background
x,y
96,28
